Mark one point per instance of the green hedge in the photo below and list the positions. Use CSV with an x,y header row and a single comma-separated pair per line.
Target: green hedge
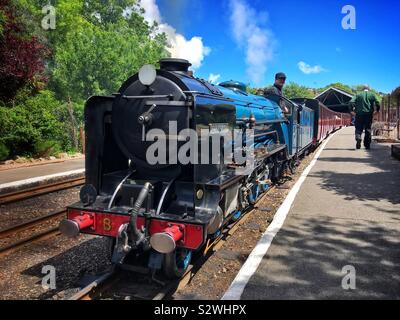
x,y
4,152
35,126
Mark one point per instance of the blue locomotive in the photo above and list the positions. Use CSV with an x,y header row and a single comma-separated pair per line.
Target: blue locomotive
x,y
149,192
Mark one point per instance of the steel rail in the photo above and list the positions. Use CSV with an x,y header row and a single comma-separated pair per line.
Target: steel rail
x,y
31,223
107,280
39,190
26,226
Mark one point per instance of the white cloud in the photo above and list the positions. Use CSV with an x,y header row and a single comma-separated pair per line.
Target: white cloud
x,y
193,50
249,31
213,78
307,69
152,13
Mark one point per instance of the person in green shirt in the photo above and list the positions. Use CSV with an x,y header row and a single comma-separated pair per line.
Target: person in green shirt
x,y
363,106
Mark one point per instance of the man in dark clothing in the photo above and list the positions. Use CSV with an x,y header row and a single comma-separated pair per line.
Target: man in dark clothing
x,y
280,79
277,88
364,105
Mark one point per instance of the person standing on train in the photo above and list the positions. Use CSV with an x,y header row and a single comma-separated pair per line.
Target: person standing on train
x,y
280,79
277,89
363,106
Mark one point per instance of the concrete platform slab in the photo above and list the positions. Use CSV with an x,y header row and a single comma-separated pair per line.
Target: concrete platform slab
x,y
24,173
347,213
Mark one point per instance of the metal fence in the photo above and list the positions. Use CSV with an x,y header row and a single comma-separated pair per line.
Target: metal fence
x,y
389,115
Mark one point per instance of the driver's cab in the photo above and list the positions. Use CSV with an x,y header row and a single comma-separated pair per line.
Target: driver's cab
x,y
292,113
288,107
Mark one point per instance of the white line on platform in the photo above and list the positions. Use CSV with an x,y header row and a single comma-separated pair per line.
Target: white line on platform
x,y
38,179
238,285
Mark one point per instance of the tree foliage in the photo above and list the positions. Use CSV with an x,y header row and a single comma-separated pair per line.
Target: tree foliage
x,y
95,47
30,122
97,61
337,85
294,90
97,44
2,23
21,55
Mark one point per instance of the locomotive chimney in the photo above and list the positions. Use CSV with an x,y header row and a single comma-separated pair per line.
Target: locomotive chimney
x,y
175,65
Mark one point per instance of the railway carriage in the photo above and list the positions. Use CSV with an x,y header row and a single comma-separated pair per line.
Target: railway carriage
x,y
326,121
163,211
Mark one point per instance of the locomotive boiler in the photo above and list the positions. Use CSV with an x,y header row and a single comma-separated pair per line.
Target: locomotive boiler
x,y
153,186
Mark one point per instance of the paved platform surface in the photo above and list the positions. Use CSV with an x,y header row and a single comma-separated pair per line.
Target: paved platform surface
x,y
347,212
23,173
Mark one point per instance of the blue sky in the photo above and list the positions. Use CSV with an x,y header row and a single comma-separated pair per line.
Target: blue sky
x,y
287,32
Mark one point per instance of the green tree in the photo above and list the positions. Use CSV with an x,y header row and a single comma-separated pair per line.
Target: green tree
x,y
97,61
294,90
2,23
96,45
252,90
32,121
337,85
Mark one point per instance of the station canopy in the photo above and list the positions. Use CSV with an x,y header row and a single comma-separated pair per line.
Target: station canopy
x,y
335,99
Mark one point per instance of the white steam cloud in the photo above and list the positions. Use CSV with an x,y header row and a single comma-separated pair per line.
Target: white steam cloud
x,y
250,32
213,78
193,50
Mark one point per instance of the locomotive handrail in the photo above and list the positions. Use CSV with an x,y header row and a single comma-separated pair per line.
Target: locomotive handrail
x,y
266,134
166,96
198,93
118,188
163,196
169,103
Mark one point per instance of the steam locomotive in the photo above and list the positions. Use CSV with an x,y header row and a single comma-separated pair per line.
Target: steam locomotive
x,y
166,210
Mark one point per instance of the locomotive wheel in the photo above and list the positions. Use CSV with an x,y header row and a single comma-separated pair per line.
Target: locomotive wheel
x,y
176,263
292,166
255,193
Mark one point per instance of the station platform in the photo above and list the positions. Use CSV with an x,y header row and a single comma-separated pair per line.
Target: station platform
x,y
24,173
343,220
22,178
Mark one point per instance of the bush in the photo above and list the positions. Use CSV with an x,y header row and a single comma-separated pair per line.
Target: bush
x,y
4,152
71,117
17,132
47,148
25,127
39,125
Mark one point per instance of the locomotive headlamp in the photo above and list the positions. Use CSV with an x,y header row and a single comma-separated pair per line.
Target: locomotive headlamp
x,y
147,74
199,194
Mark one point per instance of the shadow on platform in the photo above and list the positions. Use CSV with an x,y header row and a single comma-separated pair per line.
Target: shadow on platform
x,y
306,262
377,186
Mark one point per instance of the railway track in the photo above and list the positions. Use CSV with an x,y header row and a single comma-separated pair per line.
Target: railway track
x,y
41,189
110,279
33,224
